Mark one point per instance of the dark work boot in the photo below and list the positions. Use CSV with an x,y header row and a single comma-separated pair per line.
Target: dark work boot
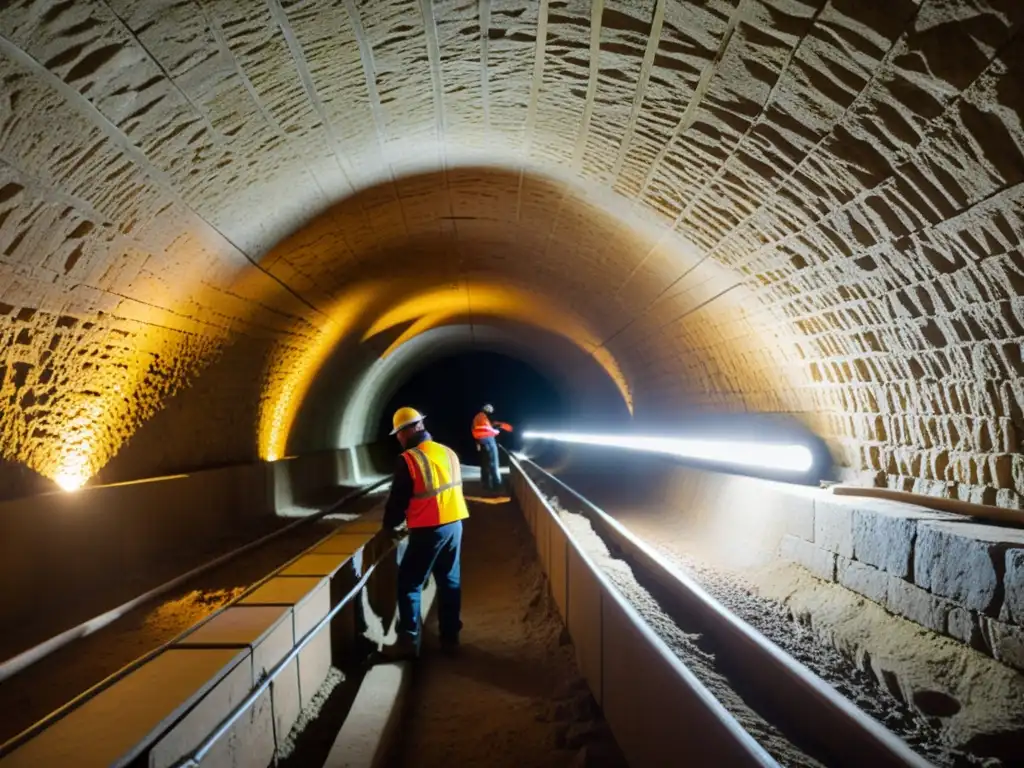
x,y
403,649
450,645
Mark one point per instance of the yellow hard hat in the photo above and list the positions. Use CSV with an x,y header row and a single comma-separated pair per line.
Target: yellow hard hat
x,y
405,417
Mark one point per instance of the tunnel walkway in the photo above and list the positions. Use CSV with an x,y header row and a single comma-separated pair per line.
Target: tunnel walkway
x,y
61,676
513,696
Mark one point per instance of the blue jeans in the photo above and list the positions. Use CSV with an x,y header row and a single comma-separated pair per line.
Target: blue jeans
x,y
489,471
431,550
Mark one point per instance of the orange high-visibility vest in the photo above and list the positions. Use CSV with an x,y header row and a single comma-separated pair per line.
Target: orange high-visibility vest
x,y
482,427
436,486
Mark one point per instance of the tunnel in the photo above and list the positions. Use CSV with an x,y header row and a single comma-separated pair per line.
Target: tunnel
x,y
237,235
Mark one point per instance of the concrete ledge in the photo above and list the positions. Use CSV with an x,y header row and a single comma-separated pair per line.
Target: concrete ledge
x,y
69,552
371,730
946,572
165,701
659,713
166,707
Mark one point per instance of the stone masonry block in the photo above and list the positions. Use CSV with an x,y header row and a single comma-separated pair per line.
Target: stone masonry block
x,y
965,626
884,541
206,715
1005,642
914,603
863,579
884,536
820,563
1013,584
962,561
833,527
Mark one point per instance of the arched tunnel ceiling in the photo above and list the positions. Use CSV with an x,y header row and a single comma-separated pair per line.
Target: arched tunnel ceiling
x,y
802,207
590,392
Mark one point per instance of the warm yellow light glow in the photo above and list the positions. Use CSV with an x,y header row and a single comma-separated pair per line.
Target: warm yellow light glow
x,y
435,307
70,481
284,396
355,317
83,448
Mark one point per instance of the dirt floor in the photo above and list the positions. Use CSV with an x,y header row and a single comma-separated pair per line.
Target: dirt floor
x,y
513,696
64,674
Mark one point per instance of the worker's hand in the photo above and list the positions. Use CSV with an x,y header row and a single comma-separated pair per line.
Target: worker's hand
x,y
504,426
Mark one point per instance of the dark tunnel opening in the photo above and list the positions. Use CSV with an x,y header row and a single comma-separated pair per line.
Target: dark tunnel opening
x,y
450,392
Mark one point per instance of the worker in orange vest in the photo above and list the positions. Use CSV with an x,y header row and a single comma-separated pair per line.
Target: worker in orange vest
x,y
426,496
485,433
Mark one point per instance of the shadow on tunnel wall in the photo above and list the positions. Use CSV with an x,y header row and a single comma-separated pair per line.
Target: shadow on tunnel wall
x,y
19,480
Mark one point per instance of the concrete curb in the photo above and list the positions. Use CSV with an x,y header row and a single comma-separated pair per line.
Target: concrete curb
x,y
369,732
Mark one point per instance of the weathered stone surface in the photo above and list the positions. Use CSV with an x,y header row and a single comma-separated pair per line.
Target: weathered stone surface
x,y
965,626
833,527
1013,585
883,535
863,579
885,541
962,561
1005,642
820,563
919,606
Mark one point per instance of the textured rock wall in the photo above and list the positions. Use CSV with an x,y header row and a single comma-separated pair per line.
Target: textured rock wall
x,y
963,580
794,206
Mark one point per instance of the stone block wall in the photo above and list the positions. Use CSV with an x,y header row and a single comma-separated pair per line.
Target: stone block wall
x,y
954,576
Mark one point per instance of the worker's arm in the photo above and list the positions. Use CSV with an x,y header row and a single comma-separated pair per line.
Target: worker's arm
x,y
399,498
503,426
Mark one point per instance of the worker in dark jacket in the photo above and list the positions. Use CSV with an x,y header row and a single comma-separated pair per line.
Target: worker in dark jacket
x,y
485,433
426,496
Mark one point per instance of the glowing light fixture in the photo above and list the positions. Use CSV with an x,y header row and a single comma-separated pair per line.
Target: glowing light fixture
x,y
776,456
69,481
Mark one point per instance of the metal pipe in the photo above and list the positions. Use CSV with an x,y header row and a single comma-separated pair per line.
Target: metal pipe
x,y
194,758
40,651
956,506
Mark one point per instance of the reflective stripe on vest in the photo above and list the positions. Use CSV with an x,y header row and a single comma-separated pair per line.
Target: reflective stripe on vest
x,y
482,427
437,486
430,486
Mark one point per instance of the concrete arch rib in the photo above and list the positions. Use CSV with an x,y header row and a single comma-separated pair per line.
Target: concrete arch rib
x,y
591,393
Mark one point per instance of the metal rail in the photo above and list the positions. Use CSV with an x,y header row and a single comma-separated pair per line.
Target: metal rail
x,y
43,649
195,757
807,706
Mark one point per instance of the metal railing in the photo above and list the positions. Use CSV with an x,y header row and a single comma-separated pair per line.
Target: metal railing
x,y
103,620
195,757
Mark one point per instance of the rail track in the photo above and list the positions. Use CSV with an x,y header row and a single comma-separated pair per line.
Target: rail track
x,y
797,717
